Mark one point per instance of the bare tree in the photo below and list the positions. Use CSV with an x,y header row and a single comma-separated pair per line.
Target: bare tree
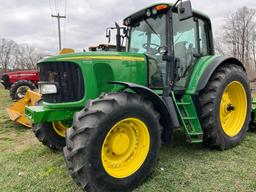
x,y
239,38
14,56
27,57
7,52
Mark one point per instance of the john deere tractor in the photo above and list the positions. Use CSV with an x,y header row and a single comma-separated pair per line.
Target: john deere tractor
x,y
120,106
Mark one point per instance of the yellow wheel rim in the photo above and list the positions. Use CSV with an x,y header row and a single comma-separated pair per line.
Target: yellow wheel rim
x,y
21,91
125,147
233,108
59,128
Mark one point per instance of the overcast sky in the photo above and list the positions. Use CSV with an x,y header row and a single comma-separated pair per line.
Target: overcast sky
x,y
29,21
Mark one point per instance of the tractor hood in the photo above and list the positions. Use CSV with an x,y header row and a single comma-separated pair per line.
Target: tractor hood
x,y
82,76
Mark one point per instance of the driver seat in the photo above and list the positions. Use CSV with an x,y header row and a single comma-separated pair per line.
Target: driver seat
x,y
180,52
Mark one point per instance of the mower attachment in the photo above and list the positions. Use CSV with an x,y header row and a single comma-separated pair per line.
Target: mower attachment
x,y
16,111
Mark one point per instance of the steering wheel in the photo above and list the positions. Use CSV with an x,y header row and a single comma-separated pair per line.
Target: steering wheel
x,y
152,48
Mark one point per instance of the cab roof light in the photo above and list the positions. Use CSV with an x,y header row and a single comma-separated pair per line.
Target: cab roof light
x,y
161,7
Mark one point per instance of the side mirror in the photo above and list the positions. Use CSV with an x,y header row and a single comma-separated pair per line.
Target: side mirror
x,y
184,10
125,31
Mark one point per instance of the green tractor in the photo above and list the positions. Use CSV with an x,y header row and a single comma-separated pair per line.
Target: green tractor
x,y
120,106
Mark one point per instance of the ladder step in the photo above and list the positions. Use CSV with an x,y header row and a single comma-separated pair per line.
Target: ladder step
x,y
183,103
195,137
196,134
189,118
196,141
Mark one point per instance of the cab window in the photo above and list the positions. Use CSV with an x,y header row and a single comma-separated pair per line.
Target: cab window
x,y
185,46
204,48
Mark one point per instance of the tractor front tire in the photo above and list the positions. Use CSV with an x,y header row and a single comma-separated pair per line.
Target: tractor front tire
x,y
113,143
49,135
19,89
226,107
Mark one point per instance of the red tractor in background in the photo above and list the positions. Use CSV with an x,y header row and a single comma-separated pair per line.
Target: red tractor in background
x,y
19,82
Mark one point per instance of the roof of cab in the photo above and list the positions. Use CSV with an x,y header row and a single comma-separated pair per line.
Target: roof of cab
x,y
170,4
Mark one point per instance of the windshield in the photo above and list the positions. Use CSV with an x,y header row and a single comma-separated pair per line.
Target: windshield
x,y
148,35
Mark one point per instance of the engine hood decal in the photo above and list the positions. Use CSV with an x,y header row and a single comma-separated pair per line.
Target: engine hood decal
x,y
101,57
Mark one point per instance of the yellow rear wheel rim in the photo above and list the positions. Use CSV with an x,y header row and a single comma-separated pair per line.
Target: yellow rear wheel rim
x,y
125,147
59,128
233,108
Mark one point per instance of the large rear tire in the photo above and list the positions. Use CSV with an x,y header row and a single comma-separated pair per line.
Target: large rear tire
x,y
226,107
19,89
113,143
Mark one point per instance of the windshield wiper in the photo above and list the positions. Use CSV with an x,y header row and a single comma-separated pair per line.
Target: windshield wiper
x,y
152,29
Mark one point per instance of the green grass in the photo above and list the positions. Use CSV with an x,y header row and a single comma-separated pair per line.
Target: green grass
x,y
27,165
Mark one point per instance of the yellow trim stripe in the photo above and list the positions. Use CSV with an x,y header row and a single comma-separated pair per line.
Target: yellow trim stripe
x,y
126,58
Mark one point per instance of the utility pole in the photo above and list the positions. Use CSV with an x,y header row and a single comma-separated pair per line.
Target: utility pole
x,y
58,18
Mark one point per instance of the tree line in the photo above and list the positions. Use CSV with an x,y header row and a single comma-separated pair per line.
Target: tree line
x,y
14,56
237,37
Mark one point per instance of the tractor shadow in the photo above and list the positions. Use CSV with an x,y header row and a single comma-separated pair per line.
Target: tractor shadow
x,y
180,148
179,140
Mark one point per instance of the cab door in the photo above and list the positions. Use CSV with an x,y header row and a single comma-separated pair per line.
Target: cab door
x,y
190,41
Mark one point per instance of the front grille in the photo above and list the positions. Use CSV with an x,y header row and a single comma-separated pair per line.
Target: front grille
x,y
69,78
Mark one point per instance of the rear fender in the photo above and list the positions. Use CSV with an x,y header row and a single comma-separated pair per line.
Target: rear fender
x,y
204,69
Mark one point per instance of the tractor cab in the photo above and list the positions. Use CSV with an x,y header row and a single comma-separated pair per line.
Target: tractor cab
x,y
164,38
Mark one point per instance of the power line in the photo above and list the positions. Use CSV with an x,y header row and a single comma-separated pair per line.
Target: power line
x,y
50,6
55,3
58,6
65,6
65,21
52,22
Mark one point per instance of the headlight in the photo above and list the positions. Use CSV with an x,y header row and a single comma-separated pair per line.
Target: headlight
x,y
47,88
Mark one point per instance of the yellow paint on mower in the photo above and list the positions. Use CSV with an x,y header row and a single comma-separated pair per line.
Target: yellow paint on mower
x,y
66,51
16,111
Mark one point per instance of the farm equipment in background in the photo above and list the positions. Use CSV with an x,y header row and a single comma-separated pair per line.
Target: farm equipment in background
x,y
103,47
21,85
18,82
117,107
16,111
